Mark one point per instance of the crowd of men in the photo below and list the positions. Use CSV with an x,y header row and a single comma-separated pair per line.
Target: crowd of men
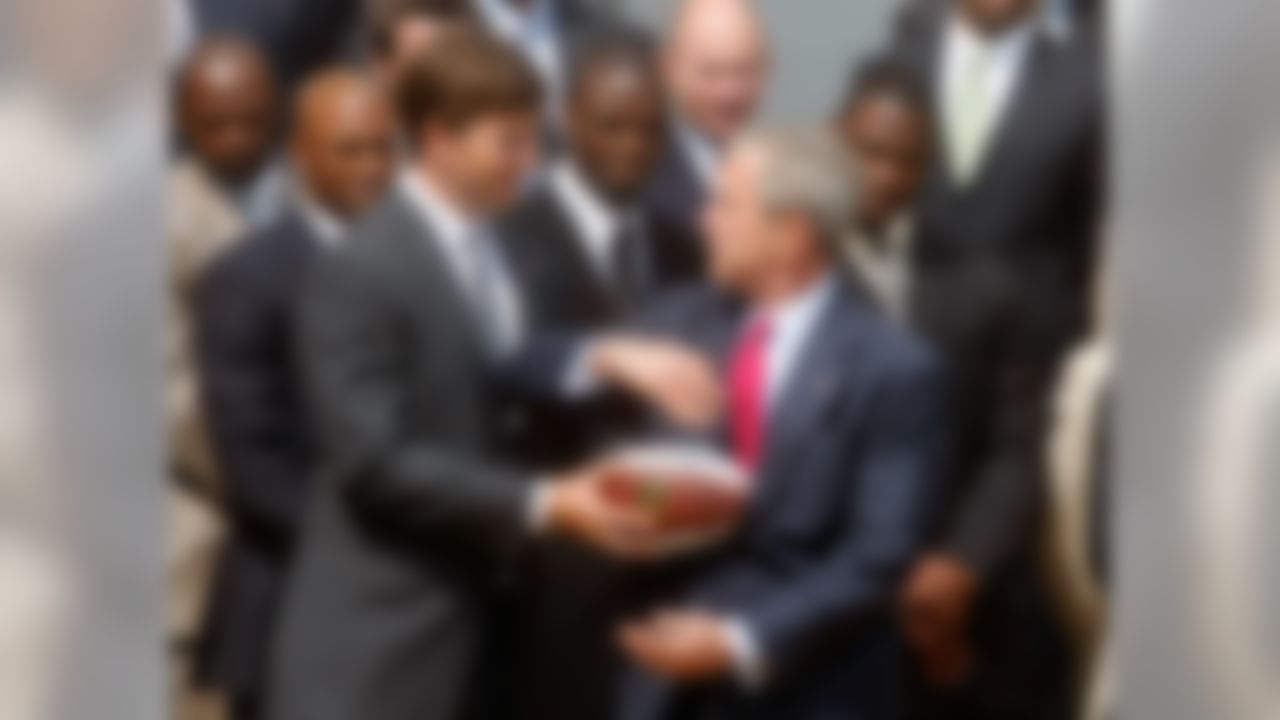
x,y
421,288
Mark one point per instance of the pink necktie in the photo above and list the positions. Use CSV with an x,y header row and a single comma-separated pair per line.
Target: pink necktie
x,y
747,378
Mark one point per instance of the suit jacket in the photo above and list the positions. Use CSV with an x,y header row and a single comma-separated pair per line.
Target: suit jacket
x,y
413,528
1035,202
563,293
574,596
840,508
254,398
676,196
971,314
203,223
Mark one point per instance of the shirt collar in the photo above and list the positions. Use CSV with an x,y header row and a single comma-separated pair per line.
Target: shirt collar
x,y
444,218
1059,20
796,314
699,150
327,228
595,217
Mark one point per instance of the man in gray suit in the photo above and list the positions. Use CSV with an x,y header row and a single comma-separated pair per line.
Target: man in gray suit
x,y
416,529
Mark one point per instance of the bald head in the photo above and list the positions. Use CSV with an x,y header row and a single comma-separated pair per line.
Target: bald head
x,y
716,63
343,140
227,107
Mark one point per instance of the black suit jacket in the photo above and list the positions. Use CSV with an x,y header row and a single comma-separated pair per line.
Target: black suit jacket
x,y
840,508
253,396
1035,203
573,597
676,196
414,528
564,294
973,317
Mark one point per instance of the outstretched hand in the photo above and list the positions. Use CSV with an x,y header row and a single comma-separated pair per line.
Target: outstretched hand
x,y
677,382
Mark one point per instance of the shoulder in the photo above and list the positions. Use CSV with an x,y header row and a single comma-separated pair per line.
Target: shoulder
x,y
887,349
371,245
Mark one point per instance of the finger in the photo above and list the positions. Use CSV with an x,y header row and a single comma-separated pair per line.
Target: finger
x,y
643,648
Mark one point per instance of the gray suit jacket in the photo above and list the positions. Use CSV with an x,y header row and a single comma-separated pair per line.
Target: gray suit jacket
x,y
411,526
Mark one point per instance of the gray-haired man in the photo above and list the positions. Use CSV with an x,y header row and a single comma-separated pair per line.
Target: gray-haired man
x,y
837,412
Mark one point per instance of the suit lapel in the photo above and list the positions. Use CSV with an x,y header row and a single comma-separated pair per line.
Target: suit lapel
x,y
1017,119
814,383
427,275
571,246
299,246
677,189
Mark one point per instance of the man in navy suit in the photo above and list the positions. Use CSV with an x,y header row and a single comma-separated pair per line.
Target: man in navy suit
x,y
342,150
838,414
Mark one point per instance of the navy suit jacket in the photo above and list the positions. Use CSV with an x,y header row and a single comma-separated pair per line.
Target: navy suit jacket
x,y
253,395
840,508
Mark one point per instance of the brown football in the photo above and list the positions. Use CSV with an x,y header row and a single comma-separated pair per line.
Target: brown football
x,y
682,501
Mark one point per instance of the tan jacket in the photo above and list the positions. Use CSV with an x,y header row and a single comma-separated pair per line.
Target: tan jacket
x,y
202,224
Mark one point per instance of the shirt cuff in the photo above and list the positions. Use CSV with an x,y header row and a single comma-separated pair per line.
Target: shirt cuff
x,y
749,666
579,382
538,509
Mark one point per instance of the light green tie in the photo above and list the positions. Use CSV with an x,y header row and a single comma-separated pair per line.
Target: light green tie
x,y
970,118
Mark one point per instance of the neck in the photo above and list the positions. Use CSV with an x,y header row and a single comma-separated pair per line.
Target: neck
x,y
785,283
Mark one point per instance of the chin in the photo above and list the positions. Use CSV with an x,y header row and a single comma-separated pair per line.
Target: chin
x,y
722,278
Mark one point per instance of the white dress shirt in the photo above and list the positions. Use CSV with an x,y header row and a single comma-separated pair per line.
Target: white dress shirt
x,y
791,326
885,267
1006,59
456,235
474,261
262,198
325,226
599,224
702,154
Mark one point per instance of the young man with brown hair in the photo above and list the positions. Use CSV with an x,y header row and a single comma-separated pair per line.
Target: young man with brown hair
x,y
418,528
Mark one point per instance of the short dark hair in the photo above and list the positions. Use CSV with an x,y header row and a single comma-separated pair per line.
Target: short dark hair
x,y
615,45
887,76
385,17
466,74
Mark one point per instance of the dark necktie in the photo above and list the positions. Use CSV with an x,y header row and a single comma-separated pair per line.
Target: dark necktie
x,y
630,262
